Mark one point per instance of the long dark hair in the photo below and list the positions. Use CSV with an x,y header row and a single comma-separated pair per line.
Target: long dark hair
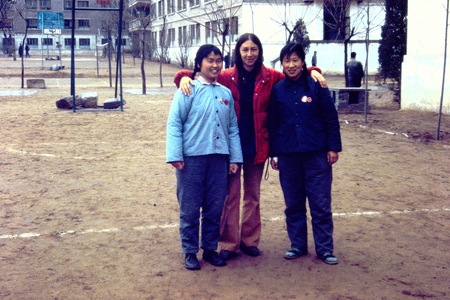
x,y
203,52
237,53
291,48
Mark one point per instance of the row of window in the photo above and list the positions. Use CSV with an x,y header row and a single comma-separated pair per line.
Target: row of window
x,y
47,4
82,23
84,43
191,35
163,7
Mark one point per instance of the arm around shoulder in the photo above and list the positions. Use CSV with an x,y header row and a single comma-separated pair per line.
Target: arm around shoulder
x,y
180,74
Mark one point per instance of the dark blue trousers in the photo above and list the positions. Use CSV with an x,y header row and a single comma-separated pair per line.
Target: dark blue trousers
x,y
307,175
201,189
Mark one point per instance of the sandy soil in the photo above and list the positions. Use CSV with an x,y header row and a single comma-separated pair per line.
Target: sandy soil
x,y
88,207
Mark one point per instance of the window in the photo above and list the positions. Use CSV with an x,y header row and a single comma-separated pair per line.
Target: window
x,y
194,33
82,4
182,35
31,4
171,36
124,42
160,9
67,4
45,4
83,24
47,42
67,24
68,42
181,5
335,22
171,6
153,11
32,23
211,32
32,42
6,23
85,44
193,3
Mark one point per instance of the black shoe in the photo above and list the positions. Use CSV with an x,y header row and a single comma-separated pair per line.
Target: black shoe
x,y
329,258
294,253
227,255
191,262
250,251
213,258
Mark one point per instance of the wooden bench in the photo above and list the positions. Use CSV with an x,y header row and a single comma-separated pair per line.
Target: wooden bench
x,y
335,91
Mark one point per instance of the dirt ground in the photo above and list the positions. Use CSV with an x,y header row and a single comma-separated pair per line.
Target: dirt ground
x,y
88,207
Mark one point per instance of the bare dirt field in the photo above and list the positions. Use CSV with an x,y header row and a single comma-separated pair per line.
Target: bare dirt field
x,y
88,207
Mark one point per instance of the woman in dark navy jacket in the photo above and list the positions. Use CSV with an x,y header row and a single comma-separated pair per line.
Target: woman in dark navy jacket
x,y
305,140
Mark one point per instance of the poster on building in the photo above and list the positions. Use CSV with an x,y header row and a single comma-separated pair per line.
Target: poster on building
x,y
50,20
103,2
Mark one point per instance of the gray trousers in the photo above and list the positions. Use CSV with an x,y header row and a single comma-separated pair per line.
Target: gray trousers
x,y
201,191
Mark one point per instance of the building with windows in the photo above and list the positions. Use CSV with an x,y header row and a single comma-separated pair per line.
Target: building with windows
x,y
50,25
181,26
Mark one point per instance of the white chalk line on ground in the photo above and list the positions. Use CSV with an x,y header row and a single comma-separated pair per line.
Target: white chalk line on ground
x,y
174,225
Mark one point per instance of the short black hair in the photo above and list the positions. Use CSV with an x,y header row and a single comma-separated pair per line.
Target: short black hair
x,y
203,52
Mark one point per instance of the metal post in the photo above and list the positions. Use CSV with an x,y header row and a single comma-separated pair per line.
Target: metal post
x,y
72,57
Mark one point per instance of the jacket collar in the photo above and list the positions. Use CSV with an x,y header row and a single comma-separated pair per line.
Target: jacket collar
x,y
263,74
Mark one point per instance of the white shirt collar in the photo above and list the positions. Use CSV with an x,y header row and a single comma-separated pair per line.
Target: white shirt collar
x,y
204,81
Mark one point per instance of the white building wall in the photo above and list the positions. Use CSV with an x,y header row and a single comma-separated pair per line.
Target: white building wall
x,y
422,68
266,21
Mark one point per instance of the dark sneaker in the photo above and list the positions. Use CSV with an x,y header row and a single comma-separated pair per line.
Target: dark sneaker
x,y
294,253
213,258
227,255
191,262
329,259
249,250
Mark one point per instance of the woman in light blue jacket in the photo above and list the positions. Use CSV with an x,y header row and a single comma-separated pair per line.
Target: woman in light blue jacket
x,y
203,145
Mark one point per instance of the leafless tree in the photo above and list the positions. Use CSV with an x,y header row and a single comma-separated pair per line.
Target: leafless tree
x,y
163,50
141,23
337,21
7,13
182,57
220,23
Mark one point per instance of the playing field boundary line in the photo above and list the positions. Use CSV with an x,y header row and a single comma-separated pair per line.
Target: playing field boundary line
x,y
174,225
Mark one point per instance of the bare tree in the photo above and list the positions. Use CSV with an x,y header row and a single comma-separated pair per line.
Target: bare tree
x,y
337,24
141,23
163,50
182,57
220,23
20,11
7,13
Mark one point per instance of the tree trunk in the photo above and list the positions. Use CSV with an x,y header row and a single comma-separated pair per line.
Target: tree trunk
x,y
144,84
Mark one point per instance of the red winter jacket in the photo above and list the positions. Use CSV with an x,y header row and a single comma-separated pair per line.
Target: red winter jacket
x,y
264,82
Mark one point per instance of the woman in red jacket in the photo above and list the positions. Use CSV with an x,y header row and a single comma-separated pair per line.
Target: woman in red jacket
x,y
250,83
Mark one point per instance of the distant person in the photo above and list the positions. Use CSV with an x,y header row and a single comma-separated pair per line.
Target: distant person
x,y
355,73
314,59
203,146
226,58
21,50
27,50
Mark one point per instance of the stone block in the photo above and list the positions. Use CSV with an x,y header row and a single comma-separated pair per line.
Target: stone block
x,y
112,103
90,100
36,83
